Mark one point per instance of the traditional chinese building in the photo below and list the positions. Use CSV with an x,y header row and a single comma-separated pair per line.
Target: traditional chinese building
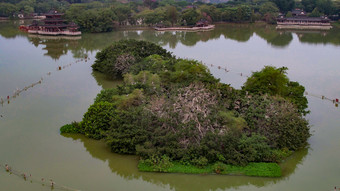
x,y
53,24
300,20
202,23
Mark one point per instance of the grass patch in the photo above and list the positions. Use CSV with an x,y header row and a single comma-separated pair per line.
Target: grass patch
x,y
252,169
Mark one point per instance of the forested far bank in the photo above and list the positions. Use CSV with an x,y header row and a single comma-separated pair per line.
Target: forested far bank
x,y
105,15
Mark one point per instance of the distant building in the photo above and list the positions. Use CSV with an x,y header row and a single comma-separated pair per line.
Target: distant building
x,y
300,20
202,23
299,13
53,24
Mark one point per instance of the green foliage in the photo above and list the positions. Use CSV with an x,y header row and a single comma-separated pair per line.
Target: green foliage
x,y
157,164
236,14
106,95
285,5
253,169
325,6
263,169
289,14
275,118
172,109
268,7
172,14
7,9
107,59
228,119
71,128
254,148
97,119
274,81
220,168
92,20
129,129
151,82
189,71
152,17
154,64
190,17
315,13
200,162
125,102
269,80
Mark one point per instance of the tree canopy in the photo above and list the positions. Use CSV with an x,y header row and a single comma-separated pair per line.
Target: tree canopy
x,y
274,81
175,108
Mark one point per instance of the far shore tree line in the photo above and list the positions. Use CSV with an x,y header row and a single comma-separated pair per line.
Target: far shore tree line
x,y
105,15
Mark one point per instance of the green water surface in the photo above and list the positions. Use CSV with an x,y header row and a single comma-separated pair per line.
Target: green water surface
x,y
30,141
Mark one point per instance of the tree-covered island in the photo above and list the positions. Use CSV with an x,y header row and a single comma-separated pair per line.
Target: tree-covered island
x,y
179,118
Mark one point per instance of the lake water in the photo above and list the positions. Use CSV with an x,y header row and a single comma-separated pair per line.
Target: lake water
x,y
30,141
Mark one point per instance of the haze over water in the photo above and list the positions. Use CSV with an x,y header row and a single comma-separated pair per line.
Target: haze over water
x,y
30,141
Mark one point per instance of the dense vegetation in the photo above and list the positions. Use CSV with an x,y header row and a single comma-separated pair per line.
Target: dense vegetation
x,y
104,15
252,169
171,109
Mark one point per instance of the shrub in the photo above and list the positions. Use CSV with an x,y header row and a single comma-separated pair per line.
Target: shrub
x,y
274,81
220,168
118,58
97,119
70,128
158,164
200,162
275,118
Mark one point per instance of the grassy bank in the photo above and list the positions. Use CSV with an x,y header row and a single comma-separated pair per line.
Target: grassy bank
x,y
252,169
336,24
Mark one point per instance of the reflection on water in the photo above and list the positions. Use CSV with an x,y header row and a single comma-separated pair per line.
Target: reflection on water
x,y
125,167
105,82
57,46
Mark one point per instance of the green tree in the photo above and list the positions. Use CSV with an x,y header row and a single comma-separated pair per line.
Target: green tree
x,y
325,6
151,4
315,13
269,80
92,20
269,7
285,5
274,81
244,13
107,59
7,9
123,13
309,5
190,17
172,14
152,17
289,14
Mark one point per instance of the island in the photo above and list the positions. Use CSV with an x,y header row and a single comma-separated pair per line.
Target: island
x,y
179,118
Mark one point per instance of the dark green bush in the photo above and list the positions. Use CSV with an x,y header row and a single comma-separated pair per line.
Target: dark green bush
x,y
158,164
220,167
274,81
275,118
110,61
97,119
200,162
71,128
